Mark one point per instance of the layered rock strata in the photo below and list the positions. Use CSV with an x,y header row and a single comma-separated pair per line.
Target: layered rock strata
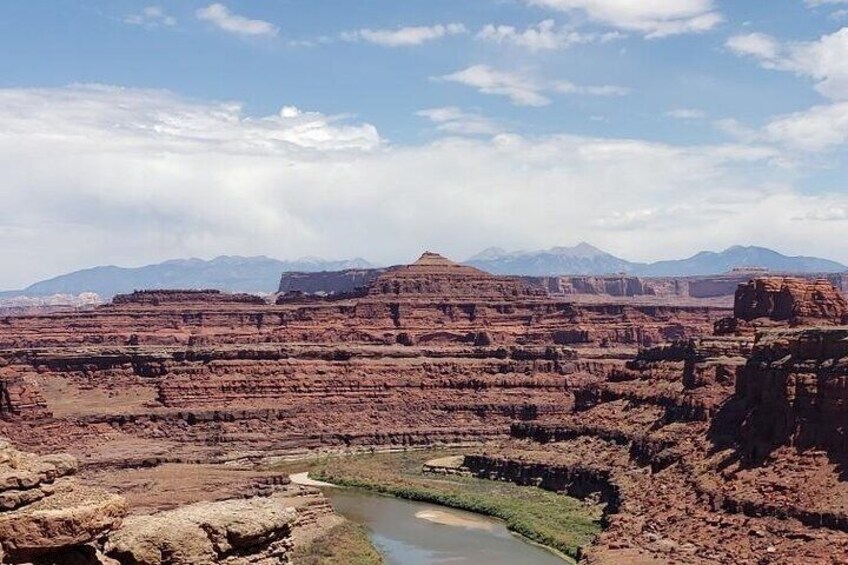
x,y
773,302
794,391
635,406
45,511
411,363
716,289
236,532
270,398
48,516
755,475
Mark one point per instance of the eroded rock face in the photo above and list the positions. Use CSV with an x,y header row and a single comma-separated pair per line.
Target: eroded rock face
x,y
237,532
791,300
434,275
44,510
549,392
784,301
328,282
158,297
21,396
794,391
454,355
679,488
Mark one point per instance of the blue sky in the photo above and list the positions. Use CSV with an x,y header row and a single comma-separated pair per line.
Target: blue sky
x,y
135,131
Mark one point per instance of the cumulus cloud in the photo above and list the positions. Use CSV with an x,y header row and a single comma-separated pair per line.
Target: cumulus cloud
x,y
405,36
523,89
451,119
652,18
221,17
825,60
151,16
106,175
546,35
815,129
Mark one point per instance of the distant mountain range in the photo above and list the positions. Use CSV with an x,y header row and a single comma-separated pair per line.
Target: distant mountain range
x,y
262,274
235,274
584,259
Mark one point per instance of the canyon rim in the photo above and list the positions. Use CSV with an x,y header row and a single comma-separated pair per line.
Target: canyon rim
x,y
245,318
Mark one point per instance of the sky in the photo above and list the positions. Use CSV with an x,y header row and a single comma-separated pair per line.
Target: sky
x,y
133,132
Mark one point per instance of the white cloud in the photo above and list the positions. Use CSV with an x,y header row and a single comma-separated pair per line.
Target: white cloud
x,y
221,17
827,213
546,35
405,36
825,60
450,119
151,16
137,176
523,89
737,130
816,3
686,114
758,45
816,129
652,18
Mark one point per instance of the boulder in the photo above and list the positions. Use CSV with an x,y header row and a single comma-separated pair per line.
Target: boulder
x,y
43,509
236,532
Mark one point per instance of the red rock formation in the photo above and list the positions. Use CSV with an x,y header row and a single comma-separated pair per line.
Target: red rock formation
x,y
433,275
769,302
678,484
237,532
44,510
435,352
328,282
790,300
21,396
401,306
206,297
794,391
439,353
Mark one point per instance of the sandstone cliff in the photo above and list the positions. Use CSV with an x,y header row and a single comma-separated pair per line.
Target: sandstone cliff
x,y
705,449
771,302
45,512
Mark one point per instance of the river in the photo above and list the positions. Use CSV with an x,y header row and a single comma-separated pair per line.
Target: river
x,y
417,533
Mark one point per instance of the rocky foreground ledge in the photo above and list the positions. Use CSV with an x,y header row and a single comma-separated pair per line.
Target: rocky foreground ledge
x,y
47,517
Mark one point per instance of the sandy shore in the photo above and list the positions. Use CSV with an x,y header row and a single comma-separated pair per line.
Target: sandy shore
x,y
303,479
448,518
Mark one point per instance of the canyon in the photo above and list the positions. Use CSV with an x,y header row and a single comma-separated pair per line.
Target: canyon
x,y
712,431
709,290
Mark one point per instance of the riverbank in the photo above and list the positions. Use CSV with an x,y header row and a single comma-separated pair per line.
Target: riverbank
x,y
557,522
345,544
